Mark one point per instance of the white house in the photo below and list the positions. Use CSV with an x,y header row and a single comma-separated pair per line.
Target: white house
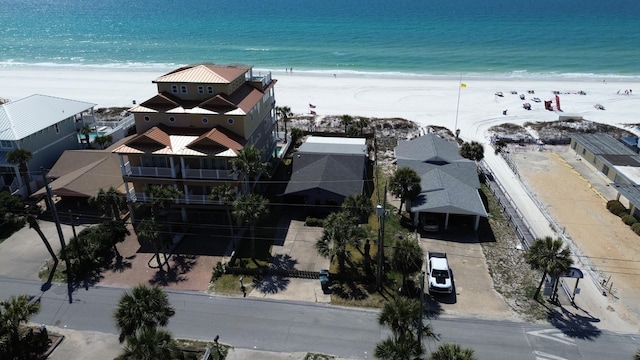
x,y
44,125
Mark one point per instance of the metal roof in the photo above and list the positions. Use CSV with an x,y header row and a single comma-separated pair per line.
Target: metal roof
x,y
21,118
629,191
429,148
600,144
203,73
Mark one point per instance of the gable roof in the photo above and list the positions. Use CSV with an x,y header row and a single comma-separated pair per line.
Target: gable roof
x,y
429,148
204,73
336,173
449,181
164,140
21,118
82,173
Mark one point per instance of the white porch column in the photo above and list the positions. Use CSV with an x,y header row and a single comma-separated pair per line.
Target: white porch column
x,y
173,169
446,221
183,168
186,193
477,224
122,169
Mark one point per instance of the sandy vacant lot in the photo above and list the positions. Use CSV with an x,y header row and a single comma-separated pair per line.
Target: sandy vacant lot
x,y
575,195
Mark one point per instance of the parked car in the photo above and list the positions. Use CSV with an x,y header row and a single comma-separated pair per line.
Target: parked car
x,y
439,273
430,223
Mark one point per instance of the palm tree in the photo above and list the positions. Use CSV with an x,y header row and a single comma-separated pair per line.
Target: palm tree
x,y
249,164
405,184
473,151
14,313
148,232
451,351
407,258
103,140
21,157
363,123
346,120
225,194
162,197
358,206
86,130
405,348
403,317
340,231
150,344
284,112
117,231
143,308
550,256
250,209
108,201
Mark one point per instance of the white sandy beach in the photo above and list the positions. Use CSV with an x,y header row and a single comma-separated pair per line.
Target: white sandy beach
x,y
425,101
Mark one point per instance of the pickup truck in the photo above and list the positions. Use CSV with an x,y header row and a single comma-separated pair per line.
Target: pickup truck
x,y
438,273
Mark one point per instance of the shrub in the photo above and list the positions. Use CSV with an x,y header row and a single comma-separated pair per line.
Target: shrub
x,y
615,207
622,213
629,219
311,221
218,271
636,228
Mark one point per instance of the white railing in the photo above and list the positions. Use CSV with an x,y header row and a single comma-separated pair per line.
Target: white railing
x,y
207,174
147,171
197,199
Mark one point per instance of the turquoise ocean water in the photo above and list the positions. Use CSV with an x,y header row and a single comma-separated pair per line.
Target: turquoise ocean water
x,y
502,38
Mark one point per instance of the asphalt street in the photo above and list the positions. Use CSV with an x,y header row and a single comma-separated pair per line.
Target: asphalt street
x,y
286,326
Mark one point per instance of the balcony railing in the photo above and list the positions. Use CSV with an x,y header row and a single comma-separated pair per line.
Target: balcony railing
x,y
146,171
208,174
196,199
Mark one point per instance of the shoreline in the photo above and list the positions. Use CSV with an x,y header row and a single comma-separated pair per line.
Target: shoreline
x,y
438,101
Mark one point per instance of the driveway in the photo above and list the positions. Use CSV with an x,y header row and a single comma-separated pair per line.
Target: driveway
x,y
23,254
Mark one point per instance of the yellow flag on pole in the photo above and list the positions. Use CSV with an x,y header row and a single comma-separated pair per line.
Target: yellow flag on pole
x,y
463,85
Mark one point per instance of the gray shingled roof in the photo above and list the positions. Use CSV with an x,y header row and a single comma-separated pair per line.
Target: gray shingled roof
x,y
336,173
21,118
449,182
429,148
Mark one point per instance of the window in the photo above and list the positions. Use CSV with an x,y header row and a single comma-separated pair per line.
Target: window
x,y
183,89
584,151
172,119
605,169
210,89
573,146
205,120
230,121
57,127
6,144
200,89
174,89
146,118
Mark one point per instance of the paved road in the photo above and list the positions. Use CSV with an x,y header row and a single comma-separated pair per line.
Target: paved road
x,y
286,326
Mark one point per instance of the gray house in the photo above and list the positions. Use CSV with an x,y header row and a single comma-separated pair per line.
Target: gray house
x,y
449,182
326,170
44,125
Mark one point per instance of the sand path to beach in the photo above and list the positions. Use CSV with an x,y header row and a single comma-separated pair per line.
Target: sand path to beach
x,y
602,242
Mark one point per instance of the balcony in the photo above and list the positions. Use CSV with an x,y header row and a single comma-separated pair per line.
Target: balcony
x,y
146,171
208,174
191,199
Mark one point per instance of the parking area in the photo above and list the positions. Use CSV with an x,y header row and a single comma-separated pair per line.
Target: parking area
x,y
473,292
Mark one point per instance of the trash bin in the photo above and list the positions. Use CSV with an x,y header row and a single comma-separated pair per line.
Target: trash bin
x,y
324,280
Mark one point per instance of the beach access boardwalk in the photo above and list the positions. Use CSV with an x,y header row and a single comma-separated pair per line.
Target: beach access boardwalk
x,y
516,219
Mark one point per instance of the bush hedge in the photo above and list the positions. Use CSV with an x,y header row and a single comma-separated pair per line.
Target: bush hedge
x,y
636,228
311,221
629,219
616,207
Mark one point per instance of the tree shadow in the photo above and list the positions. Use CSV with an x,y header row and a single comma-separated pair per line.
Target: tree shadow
x,y
349,290
182,264
271,284
47,285
574,325
121,264
283,262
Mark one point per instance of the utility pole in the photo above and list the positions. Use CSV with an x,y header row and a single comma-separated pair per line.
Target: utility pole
x,y
380,211
54,212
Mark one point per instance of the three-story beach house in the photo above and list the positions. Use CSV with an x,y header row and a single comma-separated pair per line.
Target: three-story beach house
x,y
45,126
188,134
